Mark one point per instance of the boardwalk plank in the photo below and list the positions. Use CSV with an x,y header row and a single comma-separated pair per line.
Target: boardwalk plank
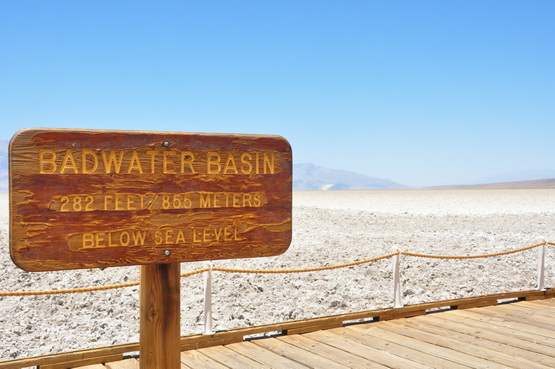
x,y
447,342
510,313
492,319
298,354
398,349
524,307
330,352
538,305
462,358
369,353
485,331
230,358
123,364
195,360
544,313
514,355
514,330
549,303
458,341
264,356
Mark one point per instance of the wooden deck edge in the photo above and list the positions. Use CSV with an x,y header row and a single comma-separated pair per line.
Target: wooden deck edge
x,y
102,355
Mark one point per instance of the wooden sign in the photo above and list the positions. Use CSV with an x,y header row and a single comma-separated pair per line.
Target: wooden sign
x,y
94,198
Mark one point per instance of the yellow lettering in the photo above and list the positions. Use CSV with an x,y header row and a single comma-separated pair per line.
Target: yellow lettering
x,y
139,237
269,163
213,165
68,157
130,203
236,199
227,234
50,161
187,158
91,154
195,239
206,235
142,200
108,199
247,199
257,200
152,154
158,237
204,200
216,200
88,240
99,239
180,237
218,233
124,238
246,159
169,234
257,162
230,164
116,238
119,205
112,160
135,163
167,162
110,240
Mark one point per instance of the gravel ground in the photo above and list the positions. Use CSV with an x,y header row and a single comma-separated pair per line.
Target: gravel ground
x,y
329,228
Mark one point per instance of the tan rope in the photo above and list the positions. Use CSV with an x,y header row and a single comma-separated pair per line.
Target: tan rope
x,y
270,271
305,270
188,274
88,289
73,290
473,256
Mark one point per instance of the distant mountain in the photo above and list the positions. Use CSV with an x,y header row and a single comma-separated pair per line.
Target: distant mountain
x,y
311,177
534,183
517,176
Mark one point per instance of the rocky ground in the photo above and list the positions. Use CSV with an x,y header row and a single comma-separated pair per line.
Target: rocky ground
x,y
329,228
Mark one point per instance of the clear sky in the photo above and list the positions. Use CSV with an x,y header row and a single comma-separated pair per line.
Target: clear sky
x,y
419,92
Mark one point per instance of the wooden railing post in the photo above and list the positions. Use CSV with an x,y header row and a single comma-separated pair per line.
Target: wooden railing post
x,y
160,317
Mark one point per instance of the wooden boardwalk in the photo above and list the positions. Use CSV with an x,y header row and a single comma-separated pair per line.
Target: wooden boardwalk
x,y
517,335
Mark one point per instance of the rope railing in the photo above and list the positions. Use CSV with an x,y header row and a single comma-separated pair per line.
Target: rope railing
x,y
88,289
474,256
273,271
304,270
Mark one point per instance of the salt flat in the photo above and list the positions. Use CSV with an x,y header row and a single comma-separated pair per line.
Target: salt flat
x,y
329,228
434,202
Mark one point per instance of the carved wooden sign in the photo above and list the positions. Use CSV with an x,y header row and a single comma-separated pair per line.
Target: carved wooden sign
x,y
94,198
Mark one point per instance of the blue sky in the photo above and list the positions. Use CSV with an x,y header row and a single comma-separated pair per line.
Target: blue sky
x,y
419,92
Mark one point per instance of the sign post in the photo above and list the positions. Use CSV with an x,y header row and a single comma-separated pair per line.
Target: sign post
x,y
160,316
96,199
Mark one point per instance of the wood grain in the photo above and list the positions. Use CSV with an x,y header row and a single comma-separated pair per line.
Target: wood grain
x,y
94,198
160,316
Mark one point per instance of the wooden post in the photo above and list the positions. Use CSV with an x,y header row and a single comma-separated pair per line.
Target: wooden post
x,y
160,317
